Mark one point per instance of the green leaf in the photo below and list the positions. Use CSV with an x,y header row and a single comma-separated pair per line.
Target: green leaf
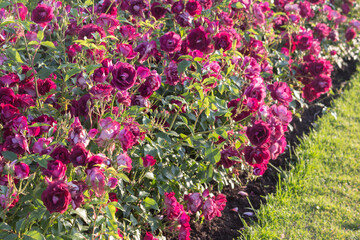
x,y
150,203
238,5
48,44
183,65
4,4
72,72
14,55
5,226
123,177
91,68
81,213
9,155
40,35
45,72
110,212
33,235
212,154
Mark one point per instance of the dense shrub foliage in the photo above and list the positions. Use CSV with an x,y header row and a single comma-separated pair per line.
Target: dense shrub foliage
x,y
123,119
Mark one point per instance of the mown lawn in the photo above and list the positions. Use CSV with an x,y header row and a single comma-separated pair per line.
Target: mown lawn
x,y
320,197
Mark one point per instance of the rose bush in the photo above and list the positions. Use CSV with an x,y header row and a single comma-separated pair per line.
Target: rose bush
x,y
125,119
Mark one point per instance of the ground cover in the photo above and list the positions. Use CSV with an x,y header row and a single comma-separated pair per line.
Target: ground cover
x,y
319,198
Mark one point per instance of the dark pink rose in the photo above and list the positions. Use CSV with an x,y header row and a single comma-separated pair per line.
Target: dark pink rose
x,y
7,95
108,22
225,155
61,153
9,80
172,75
170,42
148,161
258,133
223,40
55,170
157,10
21,170
210,209
281,92
45,85
321,83
23,101
124,76
76,189
256,91
149,236
350,34
206,4
304,40
16,143
319,67
177,7
126,139
194,202
88,30
79,155
8,112
259,169
137,7
126,50
184,19
198,39
97,179
22,10
193,7
46,120
305,9
41,146
256,155
309,93
282,113
112,183
108,7
56,197
145,50
173,208
100,75
42,14
94,161
124,160
101,92
322,30
151,84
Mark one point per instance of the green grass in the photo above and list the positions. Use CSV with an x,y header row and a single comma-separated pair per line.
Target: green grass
x,y
320,197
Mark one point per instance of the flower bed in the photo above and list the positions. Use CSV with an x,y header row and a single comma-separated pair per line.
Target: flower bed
x,y
120,117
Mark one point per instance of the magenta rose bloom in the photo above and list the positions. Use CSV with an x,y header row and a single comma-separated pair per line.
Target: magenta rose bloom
x,y
223,40
193,7
55,170
157,10
148,161
89,29
42,14
100,74
7,95
321,83
124,76
322,30
280,91
258,133
97,179
45,85
56,197
198,39
177,7
124,160
8,112
170,42
309,93
173,208
210,209
172,74
21,170
194,202
304,40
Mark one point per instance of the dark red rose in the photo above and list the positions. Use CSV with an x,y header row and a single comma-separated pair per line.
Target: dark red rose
x,y
193,7
198,39
206,4
9,80
23,101
281,92
322,30
42,14
148,161
309,93
89,29
55,170
258,133
225,154
137,7
305,9
61,153
124,76
56,197
94,160
76,189
36,131
256,155
8,112
350,34
108,7
223,40
320,66
177,7
170,42
7,95
126,138
157,10
45,85
321,83
113,197
79,155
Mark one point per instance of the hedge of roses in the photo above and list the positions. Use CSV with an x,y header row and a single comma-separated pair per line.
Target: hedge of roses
x,y
125,119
